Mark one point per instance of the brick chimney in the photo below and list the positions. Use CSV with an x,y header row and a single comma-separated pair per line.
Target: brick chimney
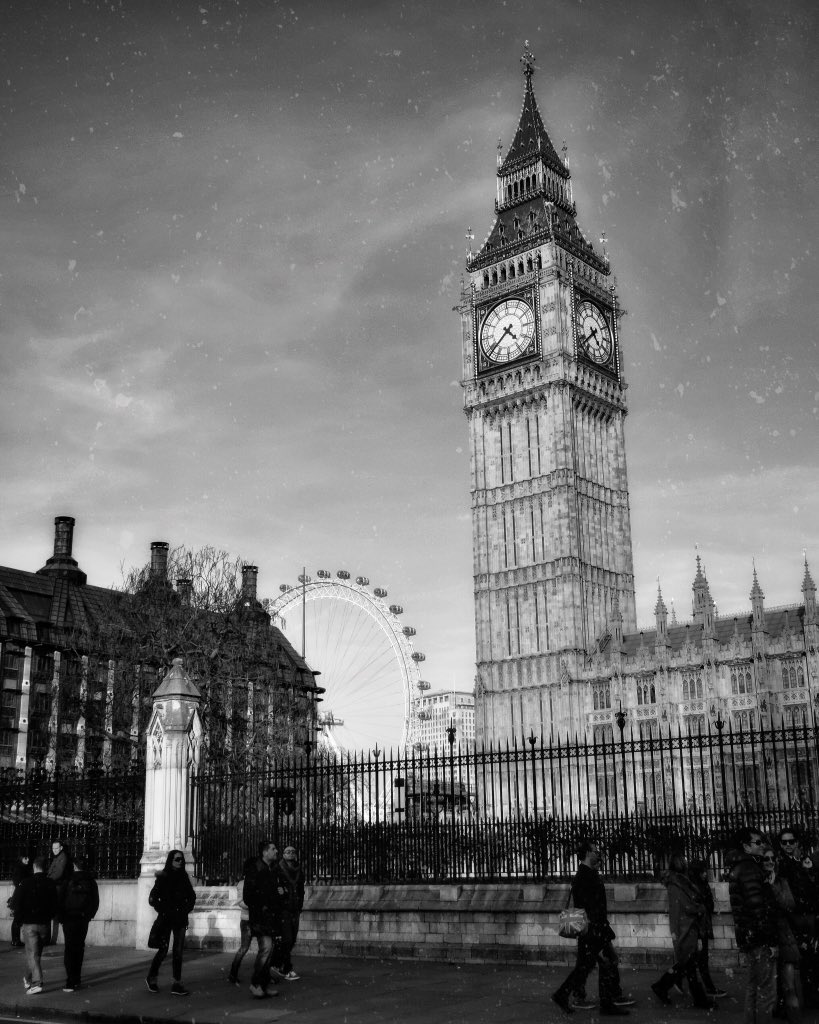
x,y
61,563
159,560
250,574
184,587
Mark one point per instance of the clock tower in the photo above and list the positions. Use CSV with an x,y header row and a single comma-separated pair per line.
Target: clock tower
x,y
545,398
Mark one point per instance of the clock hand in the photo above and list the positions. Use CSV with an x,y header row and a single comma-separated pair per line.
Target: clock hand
x,y
506,330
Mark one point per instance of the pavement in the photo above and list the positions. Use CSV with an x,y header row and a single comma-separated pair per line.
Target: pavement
x,y
332,990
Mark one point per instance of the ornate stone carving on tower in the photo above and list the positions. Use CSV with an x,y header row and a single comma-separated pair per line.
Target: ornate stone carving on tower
x,y
545,398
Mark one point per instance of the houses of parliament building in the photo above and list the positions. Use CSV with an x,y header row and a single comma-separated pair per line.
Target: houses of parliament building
x,y
558,651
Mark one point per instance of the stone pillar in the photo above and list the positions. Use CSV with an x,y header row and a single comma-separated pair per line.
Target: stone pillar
x,y
174,739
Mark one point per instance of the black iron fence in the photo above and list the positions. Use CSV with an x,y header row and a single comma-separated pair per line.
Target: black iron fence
x,y
96,814
516,812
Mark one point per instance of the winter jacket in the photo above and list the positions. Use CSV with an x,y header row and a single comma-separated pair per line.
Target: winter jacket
x,y
80,899
686,915
707,897
35,900
294,876
60,868
589,894
785,906
267,896
172,896
805,894
752,904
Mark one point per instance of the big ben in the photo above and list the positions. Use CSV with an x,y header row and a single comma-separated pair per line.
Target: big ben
x,y
545,398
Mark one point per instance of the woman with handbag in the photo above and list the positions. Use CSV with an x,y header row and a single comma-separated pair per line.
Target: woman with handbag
x,y
173,898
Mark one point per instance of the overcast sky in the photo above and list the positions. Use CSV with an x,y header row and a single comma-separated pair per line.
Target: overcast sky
x,y
233,235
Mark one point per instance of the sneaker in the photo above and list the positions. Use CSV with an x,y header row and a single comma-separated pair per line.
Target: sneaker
x,y
277,973
661,993
258,992
178,989
584,1004
233,980
562,1000
34,990
152,985
26,984
69,988
291,976
623,1001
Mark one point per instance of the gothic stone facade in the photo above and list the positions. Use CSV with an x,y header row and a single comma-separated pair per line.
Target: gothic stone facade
x,y
544,394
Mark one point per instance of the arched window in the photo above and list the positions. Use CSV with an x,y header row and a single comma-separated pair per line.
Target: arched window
x,y
601,696
741,682
515,190
539,262
520,267
511,270
503,274
494,277
486,279
529,264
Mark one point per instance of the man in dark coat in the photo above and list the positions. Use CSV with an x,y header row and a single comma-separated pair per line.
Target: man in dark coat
x,y
59,871
80,903
35,904
21,870
589,893
265,894
794,868
754,911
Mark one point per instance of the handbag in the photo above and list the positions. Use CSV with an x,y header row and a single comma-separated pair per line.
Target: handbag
x,y
573,921
159,934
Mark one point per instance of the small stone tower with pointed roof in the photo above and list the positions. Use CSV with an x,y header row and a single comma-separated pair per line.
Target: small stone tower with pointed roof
x,y
545,399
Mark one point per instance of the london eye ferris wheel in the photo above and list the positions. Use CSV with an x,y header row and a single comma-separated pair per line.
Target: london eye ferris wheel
x,y
348,632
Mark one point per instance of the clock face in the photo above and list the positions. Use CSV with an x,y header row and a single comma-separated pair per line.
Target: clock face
x,y
593,333
508,330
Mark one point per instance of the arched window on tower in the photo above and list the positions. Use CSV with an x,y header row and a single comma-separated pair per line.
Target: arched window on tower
x,y
539,262
520,267
494,277
503,273
511,270
601,696
486,279
529,264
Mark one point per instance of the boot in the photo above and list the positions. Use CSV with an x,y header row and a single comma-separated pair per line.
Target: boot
x,y
662,987
701,998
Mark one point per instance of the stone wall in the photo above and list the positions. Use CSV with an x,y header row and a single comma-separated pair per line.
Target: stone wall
x,y
460,923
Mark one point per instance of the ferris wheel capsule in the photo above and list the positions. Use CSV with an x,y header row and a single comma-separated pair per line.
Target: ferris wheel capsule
x,y
396,609
423,716
362,581
423,684
323,574
408,631
305,579
380,592
343,574
417,656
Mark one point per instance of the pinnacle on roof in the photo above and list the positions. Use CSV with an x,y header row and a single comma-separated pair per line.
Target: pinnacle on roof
x,y
807,579
660,608
699,578
756,590
531,138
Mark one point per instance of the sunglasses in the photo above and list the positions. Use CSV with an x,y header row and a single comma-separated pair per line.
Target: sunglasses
x,y
756,842
787,842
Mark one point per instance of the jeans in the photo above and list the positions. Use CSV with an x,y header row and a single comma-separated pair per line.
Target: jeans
x,y
176,953
74,933
244,946
35,936
760,991
590,953
261,969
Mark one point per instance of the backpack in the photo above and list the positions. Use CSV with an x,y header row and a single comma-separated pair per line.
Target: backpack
x,y
79,896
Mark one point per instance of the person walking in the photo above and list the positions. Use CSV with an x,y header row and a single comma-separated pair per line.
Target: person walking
x,y
290,869
21,870
698,874
788,954
80,903
797,870
244,925
59,870
266,897
35,904
595,947
757,937
173,898
686,919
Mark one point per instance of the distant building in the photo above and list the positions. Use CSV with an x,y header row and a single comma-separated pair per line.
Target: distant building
x,y
435,712
64,702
